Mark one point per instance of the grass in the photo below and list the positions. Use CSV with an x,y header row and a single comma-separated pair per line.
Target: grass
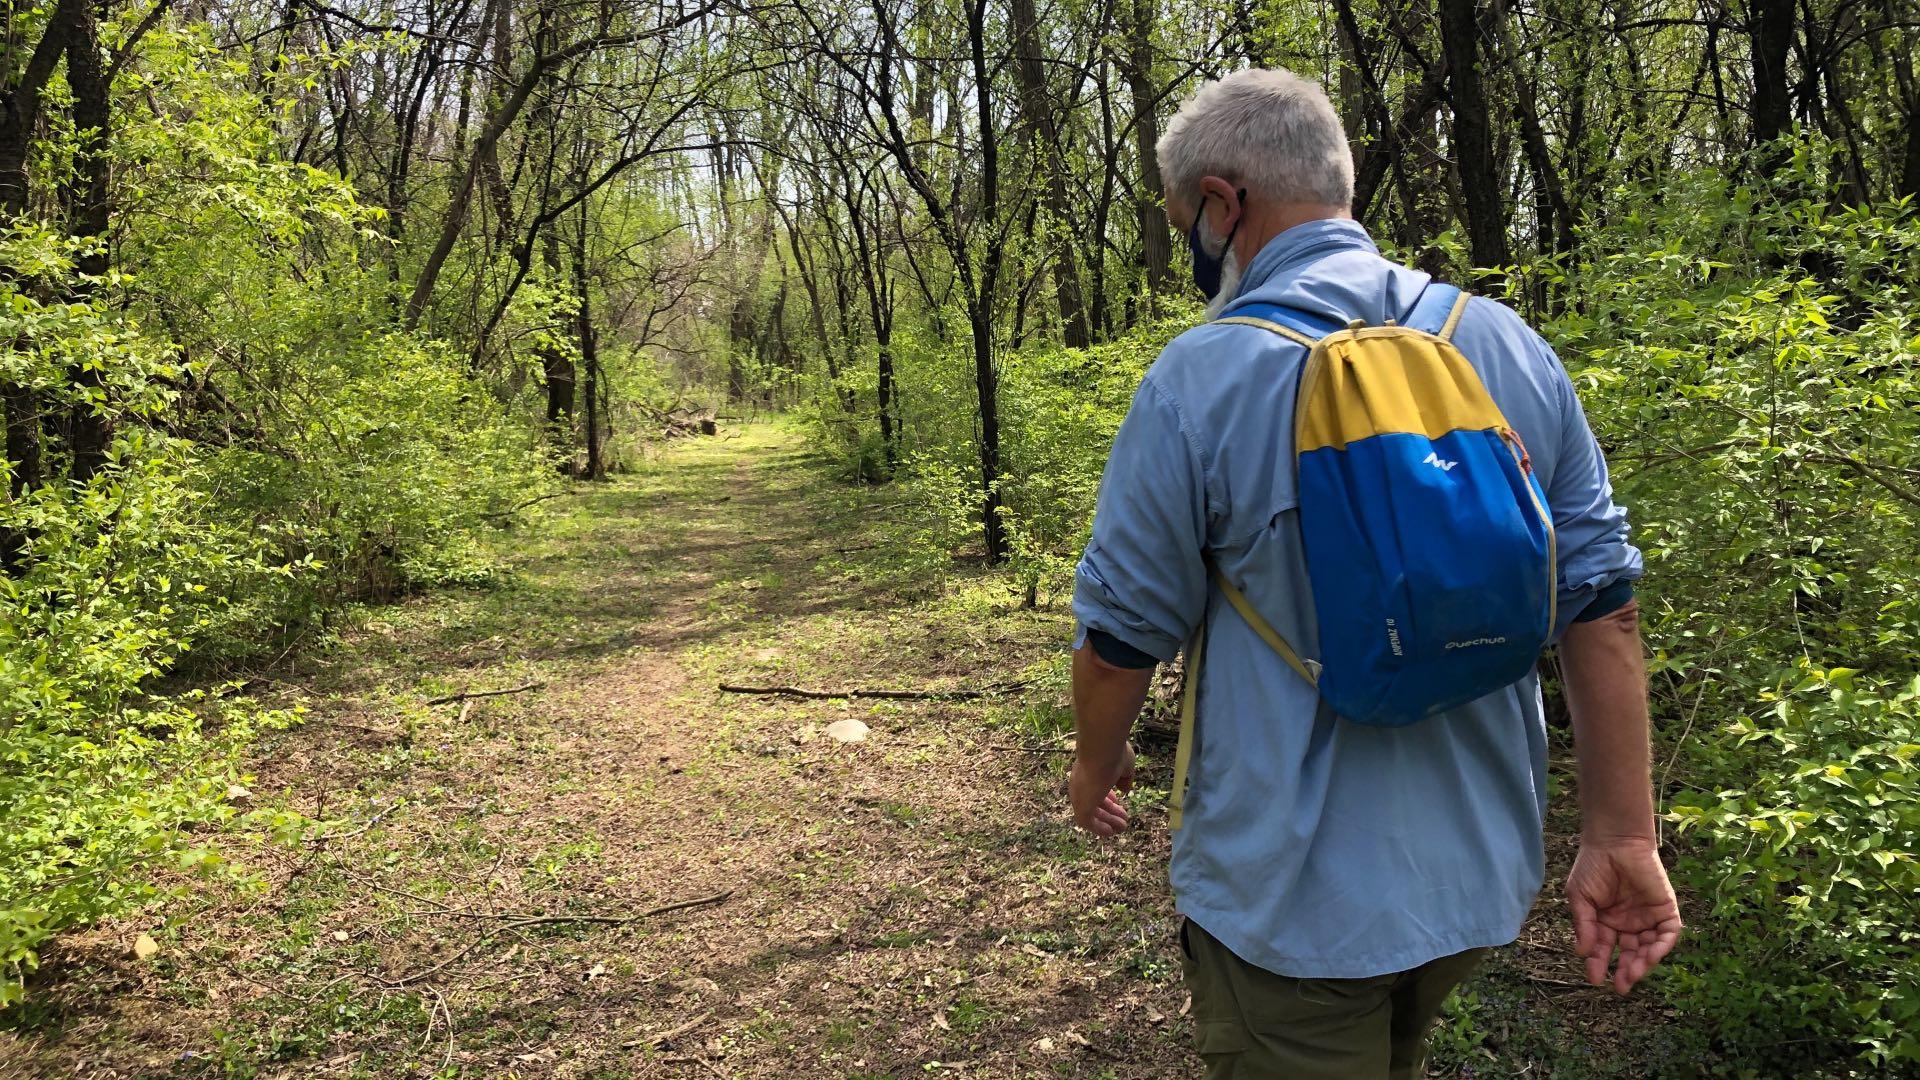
x,y
910,905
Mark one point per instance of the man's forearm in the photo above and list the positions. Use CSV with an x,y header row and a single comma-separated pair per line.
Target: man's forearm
x,y
1106,701
1606,683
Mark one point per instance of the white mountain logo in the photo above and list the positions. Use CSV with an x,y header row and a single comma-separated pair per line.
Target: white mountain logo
x,y
1434,459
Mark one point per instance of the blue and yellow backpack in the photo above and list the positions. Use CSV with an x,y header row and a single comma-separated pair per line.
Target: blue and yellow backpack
x,y
1429,547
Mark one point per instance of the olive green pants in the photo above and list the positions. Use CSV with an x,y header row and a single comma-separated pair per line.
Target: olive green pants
x,y
1250,1024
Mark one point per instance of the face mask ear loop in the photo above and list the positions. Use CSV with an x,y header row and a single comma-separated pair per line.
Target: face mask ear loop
x,y
1207,266
1228,246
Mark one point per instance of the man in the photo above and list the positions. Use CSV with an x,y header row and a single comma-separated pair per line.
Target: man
x,y
1337,879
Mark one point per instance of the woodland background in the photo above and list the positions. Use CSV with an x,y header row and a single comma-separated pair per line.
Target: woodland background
x,y
300,302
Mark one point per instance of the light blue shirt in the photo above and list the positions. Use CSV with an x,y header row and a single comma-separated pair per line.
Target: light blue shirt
x,y
1314,847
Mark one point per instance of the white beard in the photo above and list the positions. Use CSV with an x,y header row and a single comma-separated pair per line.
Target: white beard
x,y
1229,284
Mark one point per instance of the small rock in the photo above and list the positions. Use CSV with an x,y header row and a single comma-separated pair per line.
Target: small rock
x,y
339,935
145,948
238,793
847,731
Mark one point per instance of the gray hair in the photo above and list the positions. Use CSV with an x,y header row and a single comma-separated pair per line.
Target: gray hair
x,y
1266,129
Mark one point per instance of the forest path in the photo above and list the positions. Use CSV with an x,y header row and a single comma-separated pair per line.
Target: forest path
x,y
913,904
910,904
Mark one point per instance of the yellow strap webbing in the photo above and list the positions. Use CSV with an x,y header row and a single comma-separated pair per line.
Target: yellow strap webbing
x,y
1453,316
1190,693
1183,751
1265,629
1268,324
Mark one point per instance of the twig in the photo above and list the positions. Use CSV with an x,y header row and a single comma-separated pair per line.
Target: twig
x,y
535,920
387,733
447,1011
371,822
667,1036
509,980
1548,980
1055,749
1871,472
890,695
468,695
433,1015
521,918
510,511
416,897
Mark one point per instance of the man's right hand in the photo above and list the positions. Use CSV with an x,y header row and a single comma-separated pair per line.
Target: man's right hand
x,y
1094,791
1621,899
1106,699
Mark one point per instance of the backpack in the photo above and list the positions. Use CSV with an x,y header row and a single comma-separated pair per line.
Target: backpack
x,y
1429,547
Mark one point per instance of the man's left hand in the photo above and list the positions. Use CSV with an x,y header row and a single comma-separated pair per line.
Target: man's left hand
x,y
1094,790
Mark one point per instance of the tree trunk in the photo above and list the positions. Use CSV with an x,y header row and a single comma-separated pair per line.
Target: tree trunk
x,y
590,359
878,287
986,383
19,114
1907,107
1038,109
589,351
20,102
1156,246
1771,29
556,368
1910,168
1556,215
981,303
90,427
1473,135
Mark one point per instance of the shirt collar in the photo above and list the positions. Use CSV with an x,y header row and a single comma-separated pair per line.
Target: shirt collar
x,y
1303,244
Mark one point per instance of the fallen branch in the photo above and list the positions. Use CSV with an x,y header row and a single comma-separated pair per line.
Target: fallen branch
x,y
1010,748
520,922
667,1036
521,918
888,695
468,695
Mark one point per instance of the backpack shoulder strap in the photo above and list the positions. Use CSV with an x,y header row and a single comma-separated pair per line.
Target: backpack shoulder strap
x,y
1189,693
1306,669
1438,310
1183,750
1293,325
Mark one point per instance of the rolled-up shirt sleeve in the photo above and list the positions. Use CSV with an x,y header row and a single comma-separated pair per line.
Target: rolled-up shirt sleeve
x,y
1594,552
1142,578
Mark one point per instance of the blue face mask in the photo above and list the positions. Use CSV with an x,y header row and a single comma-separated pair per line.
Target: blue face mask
x,y
1208,267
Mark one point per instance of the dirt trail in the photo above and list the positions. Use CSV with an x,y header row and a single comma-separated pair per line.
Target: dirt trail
x,y
909,905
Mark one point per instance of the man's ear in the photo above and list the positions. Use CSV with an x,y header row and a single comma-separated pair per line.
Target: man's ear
x,y
1221,203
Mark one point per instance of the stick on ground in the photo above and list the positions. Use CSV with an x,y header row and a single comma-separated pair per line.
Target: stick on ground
x,y
889,695
468,695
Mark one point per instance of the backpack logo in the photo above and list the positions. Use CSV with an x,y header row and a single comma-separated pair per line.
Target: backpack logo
x,y
1434,459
